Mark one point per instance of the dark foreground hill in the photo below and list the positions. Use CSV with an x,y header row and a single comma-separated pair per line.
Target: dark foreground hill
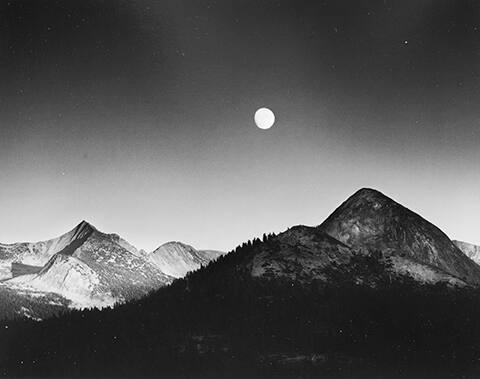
x,y
300,304
219,322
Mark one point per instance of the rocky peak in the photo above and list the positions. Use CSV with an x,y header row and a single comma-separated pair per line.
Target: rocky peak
x,y
83,229
369,220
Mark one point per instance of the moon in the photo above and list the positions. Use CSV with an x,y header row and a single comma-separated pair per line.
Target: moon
x,y
264,118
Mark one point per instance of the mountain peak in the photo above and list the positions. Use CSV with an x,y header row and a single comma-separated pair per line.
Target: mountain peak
x,y
175,243
368,196
366,202
84,224
83,229
368,193
369,220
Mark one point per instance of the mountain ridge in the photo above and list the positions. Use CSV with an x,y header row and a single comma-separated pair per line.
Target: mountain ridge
x,y
371,220
38,253
92,268
361,227
177,258
89,268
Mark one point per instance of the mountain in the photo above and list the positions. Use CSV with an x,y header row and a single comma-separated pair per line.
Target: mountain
x,y
176,258
300,253
37,254
85,266
369,220
322,301
472,251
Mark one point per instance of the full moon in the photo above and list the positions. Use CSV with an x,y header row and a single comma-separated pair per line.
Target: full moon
x,y
264,118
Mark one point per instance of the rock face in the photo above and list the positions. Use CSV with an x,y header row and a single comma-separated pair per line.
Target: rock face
x,y
38,253
23,269
176,258
90,268
69,277
470,250
369,220
300,253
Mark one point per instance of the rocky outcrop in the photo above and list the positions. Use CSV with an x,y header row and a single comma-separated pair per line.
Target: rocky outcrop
x,y
300,253
470,250
369,220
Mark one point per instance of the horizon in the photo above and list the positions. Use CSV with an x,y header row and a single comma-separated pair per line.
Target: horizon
x,y
231,248
139,116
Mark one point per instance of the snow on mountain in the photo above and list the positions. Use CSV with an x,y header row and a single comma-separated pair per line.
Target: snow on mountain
x,y
176,258
470,250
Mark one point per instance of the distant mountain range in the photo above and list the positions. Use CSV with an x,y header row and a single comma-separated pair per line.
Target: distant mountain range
x,y
374,287
89,268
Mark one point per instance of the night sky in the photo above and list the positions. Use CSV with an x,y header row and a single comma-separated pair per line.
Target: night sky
x,y
138,115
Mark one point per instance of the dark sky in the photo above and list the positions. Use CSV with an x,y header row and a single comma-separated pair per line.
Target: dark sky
x,y
138,115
